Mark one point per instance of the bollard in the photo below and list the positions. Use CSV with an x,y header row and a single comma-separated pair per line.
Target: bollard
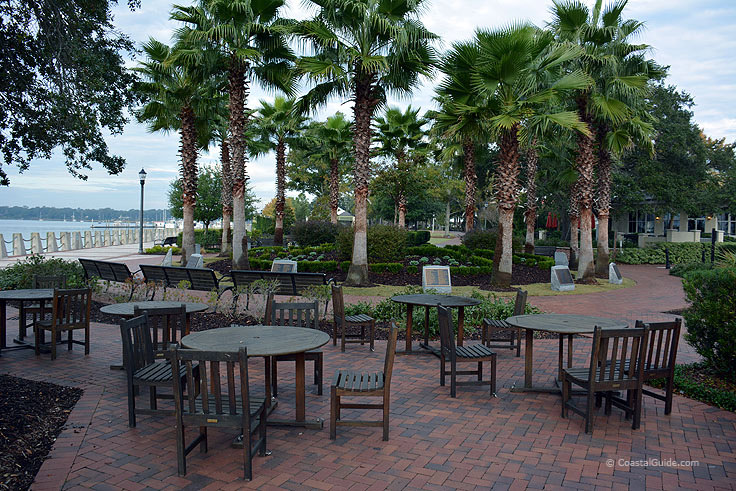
x,y
36,246
106,237
713,237
88,239
667,264
65,238
76,240
3,249
19,247
98,239
702,255
51,242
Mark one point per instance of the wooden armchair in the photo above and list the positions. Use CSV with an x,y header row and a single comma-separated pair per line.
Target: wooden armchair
x,y
497,333
342,322
297,314
167,326
39,282
142,369
616,364
211,406
449,353
371,384
659,361
69,312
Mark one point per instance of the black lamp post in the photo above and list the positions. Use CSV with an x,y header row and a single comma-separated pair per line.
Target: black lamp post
x,y
142,176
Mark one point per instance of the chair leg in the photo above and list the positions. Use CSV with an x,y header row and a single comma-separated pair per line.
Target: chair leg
x,y
442,370
274,383
373,334
342,338
53,344
453,381
480,371
318,366
263,451
518,343
385,416
565,396
37,339
152,395
669,388
493,376
362,334
131,405
247,455
180,457
637,408
86,339
333,412
203,439
69,341
609,403
589,411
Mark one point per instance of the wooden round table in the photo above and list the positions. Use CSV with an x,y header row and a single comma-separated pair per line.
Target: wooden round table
x,y
40,295
563,324
428,301
125,310
266,341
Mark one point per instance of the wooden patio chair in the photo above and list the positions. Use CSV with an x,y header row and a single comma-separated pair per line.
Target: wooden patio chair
x,y
39,282
296,314
342,322
348,383
616,364
211,406
69,312
166,324
449,353
142,369
497,333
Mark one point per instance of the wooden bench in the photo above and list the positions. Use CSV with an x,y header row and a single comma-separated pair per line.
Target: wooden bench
x,y
172,276
289,283
108,271
548,251
168,241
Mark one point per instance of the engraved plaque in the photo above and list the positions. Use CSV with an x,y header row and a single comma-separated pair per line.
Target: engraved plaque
x,y
283,266
436,278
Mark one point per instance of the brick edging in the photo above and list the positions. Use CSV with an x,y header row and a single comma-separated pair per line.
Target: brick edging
x,y
58,463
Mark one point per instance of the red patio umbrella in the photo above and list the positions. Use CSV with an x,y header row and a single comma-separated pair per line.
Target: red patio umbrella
x,y
549,220
554,221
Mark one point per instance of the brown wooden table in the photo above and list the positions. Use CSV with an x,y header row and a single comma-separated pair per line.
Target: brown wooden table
x,y
563,324
429,301
125,310
40,295
267,341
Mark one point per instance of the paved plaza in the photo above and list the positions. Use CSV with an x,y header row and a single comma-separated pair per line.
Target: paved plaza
x,y
515,440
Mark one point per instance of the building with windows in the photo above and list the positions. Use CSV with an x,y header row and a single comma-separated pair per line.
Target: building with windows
x,y
651,227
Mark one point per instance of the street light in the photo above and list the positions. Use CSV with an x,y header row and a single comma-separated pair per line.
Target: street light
x,y
142,176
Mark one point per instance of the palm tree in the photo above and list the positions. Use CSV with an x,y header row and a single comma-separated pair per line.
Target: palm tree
x,y
227,193
362,49
275,124
398,135
620,77
519,73
530,212
336,136
460,119
178,97
250,39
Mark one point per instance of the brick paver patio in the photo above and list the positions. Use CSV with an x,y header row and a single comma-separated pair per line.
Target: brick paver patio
x,y
512,441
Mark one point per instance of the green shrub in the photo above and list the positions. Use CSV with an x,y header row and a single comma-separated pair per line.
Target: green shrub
x,y
212,239
345,265
359,308
412,269
710,320
684,252
260,264
314,233
385,267
683,268
317,266
686,383
552,242
386,243
20,275
163,250
417,238
486,239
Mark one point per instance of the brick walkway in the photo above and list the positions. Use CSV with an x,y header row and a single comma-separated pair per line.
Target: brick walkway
x,y
514,440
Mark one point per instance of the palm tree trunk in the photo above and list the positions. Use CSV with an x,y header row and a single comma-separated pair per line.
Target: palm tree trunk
x,y
402,210
574,213
238,95
471,179
188,180
363,109
603,202
226,197
585,162
447,218
278,234
334,189
506,187
530,214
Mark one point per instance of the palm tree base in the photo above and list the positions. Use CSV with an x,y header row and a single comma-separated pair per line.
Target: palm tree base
x,y
501,279
358,275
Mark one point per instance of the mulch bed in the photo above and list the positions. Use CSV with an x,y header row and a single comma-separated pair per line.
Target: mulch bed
x,y
521,275
32,414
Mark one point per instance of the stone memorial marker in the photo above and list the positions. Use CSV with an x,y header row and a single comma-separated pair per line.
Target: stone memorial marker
x,y
197,249
195,261
614,275
436,278
561,259
283,266
168,259
561,279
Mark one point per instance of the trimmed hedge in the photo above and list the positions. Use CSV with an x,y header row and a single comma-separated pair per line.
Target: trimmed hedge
x,y
683,268
386,267
684,252
417,238
710,320
386,243
213,238
20,275
314,232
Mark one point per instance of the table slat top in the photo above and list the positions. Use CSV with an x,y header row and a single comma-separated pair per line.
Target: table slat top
x,y
126,309
27,294
259,340
565,323
428,300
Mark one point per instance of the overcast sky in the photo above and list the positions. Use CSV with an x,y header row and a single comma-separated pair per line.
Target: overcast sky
x,y
694,37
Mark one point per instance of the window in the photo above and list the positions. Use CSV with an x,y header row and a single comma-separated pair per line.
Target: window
x,y
641,223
